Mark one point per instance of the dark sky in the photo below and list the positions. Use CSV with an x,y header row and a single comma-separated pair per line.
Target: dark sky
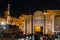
x,y
28,6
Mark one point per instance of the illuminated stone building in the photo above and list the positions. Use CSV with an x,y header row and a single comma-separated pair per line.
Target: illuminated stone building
x,y
6,17
2,19
32,21
27,24
38,20
52,21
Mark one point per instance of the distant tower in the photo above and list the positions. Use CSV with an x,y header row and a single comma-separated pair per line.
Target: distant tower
x,y
7,13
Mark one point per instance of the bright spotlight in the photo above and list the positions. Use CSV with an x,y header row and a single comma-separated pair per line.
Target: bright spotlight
x,y
2,23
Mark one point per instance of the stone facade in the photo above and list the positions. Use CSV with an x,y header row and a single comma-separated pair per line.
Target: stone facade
x,y
50,21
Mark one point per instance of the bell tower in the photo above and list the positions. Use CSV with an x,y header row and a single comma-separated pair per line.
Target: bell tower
x,y
7,13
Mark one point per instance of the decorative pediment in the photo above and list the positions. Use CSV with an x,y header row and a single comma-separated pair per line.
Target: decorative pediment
x,y
38,13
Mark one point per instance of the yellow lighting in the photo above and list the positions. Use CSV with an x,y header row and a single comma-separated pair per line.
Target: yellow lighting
x,y
45,13
21,21
21,24
21,17
37,29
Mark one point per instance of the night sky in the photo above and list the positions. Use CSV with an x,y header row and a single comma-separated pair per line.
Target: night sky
x,y
28,6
